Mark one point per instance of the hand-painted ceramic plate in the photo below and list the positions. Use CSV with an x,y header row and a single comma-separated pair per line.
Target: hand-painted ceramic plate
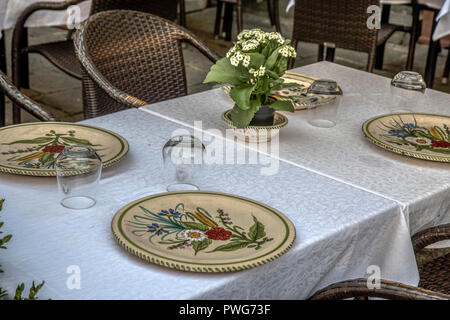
x,y
203,231
418,135
31,148
298,94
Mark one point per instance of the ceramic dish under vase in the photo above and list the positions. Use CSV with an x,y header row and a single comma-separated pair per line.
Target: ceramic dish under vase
x,y
256,134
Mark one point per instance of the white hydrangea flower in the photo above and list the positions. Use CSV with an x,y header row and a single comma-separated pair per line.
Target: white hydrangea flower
x,y
234,61
246,61
252,71
261,71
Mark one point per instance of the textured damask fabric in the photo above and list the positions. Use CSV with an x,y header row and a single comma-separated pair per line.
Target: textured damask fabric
x,y
341,230
421,188
43,17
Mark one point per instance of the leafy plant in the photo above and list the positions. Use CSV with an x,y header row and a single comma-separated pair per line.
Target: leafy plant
x,y
253,68
21,287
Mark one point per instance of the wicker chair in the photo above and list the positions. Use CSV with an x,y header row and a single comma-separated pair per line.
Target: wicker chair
x,y
435,274
25,103
61,53
341,24
130,59
357,288
272,6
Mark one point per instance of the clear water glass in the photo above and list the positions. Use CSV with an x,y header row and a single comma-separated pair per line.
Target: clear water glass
x,y
78,171
324,116
183,158
407,91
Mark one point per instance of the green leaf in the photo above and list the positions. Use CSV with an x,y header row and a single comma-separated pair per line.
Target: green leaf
x,y
242,118
201,245
270,63
285,105
257,230
257,60
223,72
40,140
1,204
47,157
19,291
73,140
241,96
5,240
195,226
232,246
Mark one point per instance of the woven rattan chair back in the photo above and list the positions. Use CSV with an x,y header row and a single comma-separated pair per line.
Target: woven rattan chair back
x,y
343,23
22,101
130,59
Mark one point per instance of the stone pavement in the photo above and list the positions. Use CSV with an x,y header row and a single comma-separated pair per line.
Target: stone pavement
x,y
62,94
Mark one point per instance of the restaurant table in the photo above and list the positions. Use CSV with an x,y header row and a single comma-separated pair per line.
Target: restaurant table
x,y
341,230
420,188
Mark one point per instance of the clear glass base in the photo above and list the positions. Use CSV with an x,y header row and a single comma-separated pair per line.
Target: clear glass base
x,y
322,123
78,202
182,187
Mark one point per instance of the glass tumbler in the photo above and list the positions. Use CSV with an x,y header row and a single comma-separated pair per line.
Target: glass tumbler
x,y
324,116
407,91
183,158
78,171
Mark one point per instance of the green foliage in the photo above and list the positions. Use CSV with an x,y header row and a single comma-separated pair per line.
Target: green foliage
x,y
21,287
253,69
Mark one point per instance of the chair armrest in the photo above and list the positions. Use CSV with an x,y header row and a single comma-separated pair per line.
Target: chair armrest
x,y
22,100
429,236
388,290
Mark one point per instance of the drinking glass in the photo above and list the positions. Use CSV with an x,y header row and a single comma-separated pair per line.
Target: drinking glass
x,y
183,157
324,116
407,91
78,171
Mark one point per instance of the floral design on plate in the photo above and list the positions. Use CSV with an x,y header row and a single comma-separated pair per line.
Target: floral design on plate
x,y
203,231
41,152
32,148
423,136
199,230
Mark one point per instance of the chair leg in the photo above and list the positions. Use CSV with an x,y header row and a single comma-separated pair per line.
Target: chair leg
x,y
270,11
330,54
291,61
433,51
218,19
24,63
239,13
414,36
379,56
320,52
2,68
227,27
276,15
447,69
182,13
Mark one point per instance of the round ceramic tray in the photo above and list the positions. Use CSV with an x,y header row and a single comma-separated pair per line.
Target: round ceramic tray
x,y
256,133
298,94
32,148
418,135
203,231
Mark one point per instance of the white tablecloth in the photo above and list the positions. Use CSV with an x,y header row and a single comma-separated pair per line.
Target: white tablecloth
x,y
421,188
341,230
